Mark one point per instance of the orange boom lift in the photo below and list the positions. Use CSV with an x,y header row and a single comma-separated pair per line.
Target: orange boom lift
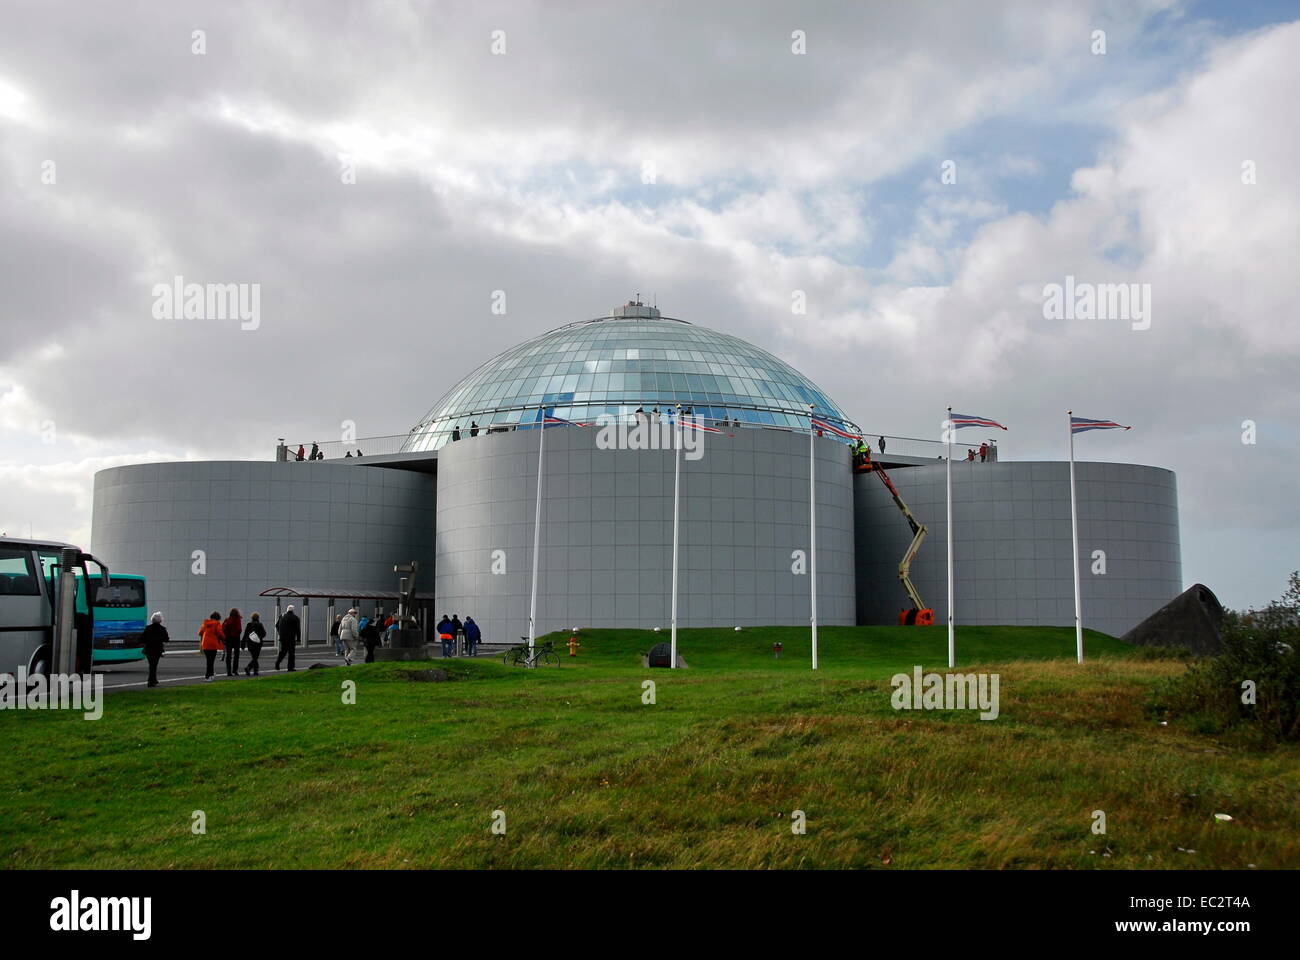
x,y
919,614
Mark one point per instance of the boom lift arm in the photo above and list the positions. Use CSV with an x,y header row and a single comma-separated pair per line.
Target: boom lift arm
x,y
920,613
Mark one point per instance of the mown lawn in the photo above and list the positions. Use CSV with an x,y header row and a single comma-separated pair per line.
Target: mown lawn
x,y
588,775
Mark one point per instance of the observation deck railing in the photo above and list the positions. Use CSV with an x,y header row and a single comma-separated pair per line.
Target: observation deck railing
x,y
362,447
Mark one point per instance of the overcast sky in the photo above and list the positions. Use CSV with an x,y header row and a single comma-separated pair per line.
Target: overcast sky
x,y
132,152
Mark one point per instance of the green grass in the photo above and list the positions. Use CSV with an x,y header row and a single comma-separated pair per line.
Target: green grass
x,y
589,776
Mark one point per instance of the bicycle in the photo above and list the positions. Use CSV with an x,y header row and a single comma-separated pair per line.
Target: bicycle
x,y
543,655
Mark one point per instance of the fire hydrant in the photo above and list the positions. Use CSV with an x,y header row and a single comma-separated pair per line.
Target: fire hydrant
x,y
776,650
573,646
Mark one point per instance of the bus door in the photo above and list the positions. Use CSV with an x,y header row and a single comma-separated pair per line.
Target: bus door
x,y
118,614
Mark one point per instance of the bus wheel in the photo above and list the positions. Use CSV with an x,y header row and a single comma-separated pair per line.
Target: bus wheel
x,y
39,665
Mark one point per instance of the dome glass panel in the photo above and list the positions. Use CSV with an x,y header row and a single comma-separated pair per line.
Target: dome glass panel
x,y
613,365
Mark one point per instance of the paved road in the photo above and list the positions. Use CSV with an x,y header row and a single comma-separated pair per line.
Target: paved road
x,y
183,666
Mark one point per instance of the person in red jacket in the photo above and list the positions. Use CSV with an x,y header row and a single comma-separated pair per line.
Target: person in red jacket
x,y
210,641
232,632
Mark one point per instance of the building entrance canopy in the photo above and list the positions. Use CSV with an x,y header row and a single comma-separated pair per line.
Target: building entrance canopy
x,y
321,593
377,601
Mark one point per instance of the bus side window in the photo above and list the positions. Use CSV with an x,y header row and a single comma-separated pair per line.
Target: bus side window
x,y
17,574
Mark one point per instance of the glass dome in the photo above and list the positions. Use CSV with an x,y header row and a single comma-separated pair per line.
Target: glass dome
x,y
612,365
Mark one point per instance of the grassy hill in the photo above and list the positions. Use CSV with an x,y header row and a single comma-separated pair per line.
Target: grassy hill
x,y
588,775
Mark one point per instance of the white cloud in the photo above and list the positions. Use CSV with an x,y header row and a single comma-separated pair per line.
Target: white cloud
x,y
53,500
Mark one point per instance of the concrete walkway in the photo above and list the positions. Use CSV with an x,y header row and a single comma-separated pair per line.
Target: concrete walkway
x,y
183,665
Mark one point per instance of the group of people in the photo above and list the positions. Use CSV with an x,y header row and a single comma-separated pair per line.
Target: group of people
x,y
317,453
984,452
228,636
232,634
457,636
654,416
350,632
862,450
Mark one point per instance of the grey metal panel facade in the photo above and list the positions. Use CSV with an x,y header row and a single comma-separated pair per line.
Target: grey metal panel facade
x,y
260,525
1012,543
606,547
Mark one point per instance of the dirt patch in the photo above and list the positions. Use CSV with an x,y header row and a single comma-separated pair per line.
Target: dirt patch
x,y
426,676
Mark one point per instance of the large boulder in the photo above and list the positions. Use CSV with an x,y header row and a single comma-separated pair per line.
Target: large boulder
x,y
1190,620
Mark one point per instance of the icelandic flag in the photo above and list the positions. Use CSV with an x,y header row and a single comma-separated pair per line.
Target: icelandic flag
x,y
959,420
823,425
1080,424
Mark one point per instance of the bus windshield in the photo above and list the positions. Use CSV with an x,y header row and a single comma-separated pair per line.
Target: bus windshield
x,y
120,593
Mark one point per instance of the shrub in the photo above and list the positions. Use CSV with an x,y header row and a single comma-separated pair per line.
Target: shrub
x,y
1259,646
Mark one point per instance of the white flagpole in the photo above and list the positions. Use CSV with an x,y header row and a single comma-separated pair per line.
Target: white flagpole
x,y
812,522
1074,532
677,499
537,537
952,640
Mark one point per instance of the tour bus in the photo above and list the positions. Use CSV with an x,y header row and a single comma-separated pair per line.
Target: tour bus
x,y
29,607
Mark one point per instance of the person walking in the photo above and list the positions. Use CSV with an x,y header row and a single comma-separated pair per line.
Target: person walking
x,y
210,642
370,637
152,639
445,635
350,634
984,452
457,632
880,444
232,633
473,428
302,453
254,634
472,636
288,629
334,632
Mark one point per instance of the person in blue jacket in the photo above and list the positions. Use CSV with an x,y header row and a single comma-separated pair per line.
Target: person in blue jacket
x,y
472,636
446,635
